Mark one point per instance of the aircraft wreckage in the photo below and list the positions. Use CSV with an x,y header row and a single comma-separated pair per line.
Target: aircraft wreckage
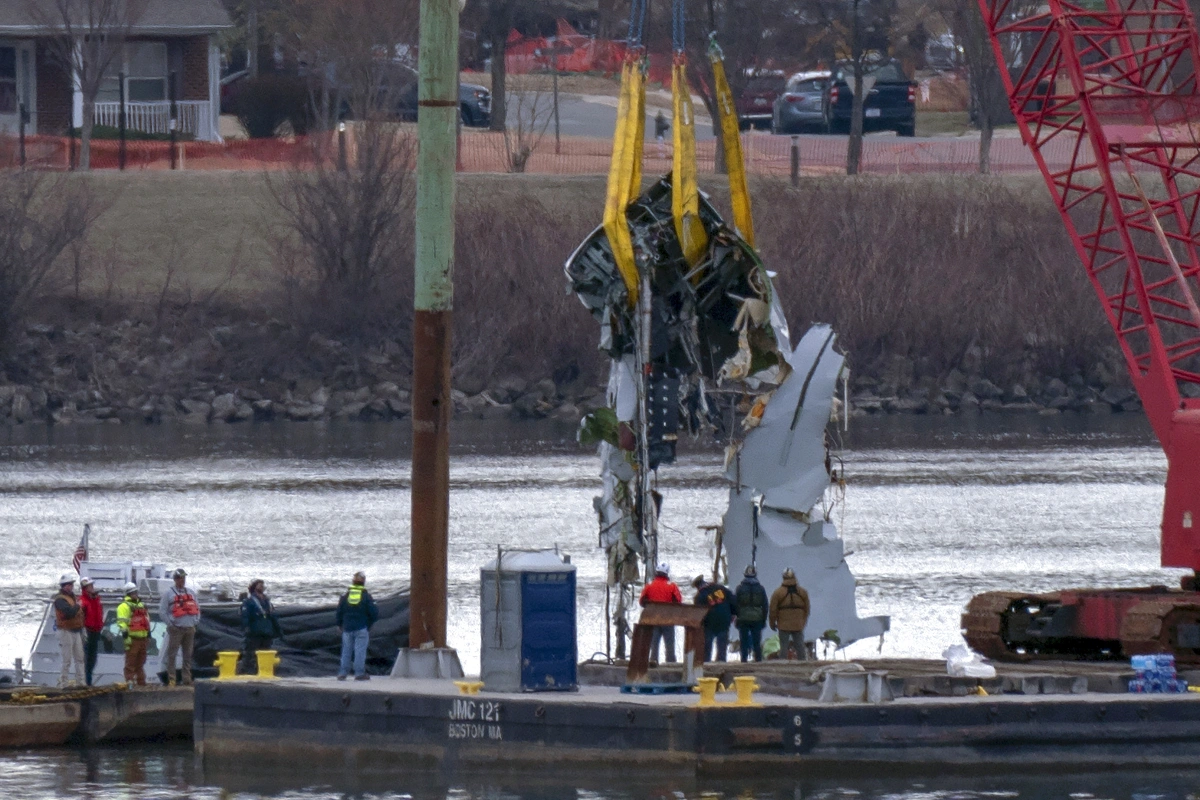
x,y
695,344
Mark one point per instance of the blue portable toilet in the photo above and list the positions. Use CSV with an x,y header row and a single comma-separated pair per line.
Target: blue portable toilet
x,y
527,615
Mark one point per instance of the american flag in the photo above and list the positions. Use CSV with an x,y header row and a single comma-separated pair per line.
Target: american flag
x,y
81,552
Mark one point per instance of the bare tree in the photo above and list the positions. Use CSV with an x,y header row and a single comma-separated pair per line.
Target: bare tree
x,y
855,30
989,101
346,251
532,112
350,52
40,219
87,39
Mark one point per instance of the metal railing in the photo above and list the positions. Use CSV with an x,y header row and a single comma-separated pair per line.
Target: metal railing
x,y
195,116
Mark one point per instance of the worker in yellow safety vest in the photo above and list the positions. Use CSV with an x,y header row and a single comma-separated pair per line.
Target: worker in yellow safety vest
x,y
134,622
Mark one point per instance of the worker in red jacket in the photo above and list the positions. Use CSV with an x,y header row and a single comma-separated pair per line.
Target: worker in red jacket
x,y
662,590
93,623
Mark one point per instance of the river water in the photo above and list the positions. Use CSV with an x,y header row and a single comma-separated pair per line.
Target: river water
x,y
936,511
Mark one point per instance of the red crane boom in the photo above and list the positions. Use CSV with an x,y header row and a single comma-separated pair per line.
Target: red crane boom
x,y
1117,79
1105,94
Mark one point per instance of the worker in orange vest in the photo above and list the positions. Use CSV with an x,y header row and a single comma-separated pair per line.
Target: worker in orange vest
x,y
179,609
134,622
68,620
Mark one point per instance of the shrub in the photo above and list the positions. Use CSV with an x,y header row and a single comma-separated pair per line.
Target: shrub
x,y
266,102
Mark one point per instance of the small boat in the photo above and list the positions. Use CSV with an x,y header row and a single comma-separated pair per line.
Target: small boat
x,y
310,645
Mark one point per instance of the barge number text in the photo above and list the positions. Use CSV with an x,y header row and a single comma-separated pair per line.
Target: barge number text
x,y
474,711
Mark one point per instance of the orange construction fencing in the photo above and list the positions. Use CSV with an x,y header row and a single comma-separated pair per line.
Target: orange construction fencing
x,y
486,151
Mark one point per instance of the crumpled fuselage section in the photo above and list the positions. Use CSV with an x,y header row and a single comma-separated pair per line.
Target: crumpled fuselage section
x,y
706,350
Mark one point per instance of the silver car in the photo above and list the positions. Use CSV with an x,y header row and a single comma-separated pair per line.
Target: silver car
x,y
800,107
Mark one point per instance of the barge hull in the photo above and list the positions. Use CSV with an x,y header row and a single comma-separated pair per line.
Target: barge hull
x,y
407,724
38,725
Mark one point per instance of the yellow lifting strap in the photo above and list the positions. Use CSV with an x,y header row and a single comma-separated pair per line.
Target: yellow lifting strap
x,y
685,195
625,173
735,164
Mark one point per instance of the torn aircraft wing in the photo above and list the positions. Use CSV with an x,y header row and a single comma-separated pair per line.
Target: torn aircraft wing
x,y
813,550
784,457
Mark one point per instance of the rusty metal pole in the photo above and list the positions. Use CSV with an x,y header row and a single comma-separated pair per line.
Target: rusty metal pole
x,y
795,161
432,303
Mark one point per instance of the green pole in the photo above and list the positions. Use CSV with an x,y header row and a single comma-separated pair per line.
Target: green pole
x,y
432,303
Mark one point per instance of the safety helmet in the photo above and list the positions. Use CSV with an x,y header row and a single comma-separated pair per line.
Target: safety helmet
x,y
787,573
663,568
751,572
66,578
179,573
130,588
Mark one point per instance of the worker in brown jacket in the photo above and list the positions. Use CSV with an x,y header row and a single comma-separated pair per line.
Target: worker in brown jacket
x,y
789,615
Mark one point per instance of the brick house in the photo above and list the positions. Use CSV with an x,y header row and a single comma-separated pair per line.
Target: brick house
x,y
177,36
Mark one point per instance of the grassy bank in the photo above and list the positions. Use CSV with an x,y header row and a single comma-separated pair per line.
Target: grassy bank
x,y
929,281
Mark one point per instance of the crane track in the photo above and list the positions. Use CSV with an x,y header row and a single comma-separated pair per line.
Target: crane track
x,y
983,624
1151,627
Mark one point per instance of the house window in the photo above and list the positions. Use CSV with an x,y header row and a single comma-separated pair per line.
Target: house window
x,y
146,78
145,68
8,80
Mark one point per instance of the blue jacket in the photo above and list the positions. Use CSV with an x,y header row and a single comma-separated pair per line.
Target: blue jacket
x,y
258,619
357,615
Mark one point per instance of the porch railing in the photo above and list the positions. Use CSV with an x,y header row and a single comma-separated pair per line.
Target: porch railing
x,y
195,117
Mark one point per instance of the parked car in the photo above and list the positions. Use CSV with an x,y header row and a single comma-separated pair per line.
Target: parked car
x,y
890,104
474,101
755,102
800,106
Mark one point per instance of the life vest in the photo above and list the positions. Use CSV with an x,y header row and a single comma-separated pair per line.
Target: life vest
x,y
354,595
184,605
133,618
64,622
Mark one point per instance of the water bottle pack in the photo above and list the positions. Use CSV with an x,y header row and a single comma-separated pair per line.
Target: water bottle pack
x,y
1155,674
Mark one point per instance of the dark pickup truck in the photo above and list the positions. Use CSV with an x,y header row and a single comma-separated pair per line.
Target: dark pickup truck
x,y
890,104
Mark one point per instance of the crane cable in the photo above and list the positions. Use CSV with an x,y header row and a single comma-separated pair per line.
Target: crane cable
x,y
685,194
625,169
735,163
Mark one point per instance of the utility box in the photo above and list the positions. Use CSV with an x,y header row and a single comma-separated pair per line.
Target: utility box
x,y
527,615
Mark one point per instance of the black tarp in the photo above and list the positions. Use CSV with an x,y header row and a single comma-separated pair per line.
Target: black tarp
x,y
311,644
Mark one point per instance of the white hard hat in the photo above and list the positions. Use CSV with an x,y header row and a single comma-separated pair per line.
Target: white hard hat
x,y
130,587
664,568
66,578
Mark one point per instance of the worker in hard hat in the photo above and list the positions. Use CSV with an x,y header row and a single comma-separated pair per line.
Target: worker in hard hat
x,y
93,625
789,615
133,620
662,590
68,620
181,611
259,623
356,613
752,603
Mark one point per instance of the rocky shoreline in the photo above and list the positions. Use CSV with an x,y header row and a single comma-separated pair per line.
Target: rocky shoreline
x,y
129,373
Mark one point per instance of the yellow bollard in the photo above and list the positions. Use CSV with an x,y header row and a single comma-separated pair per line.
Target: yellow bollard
x,y
707,688
745,686
267,661
469,687
226,665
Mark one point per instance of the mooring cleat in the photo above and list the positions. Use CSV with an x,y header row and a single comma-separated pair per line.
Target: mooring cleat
x,y
707,689
469,687
745,686
226,664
